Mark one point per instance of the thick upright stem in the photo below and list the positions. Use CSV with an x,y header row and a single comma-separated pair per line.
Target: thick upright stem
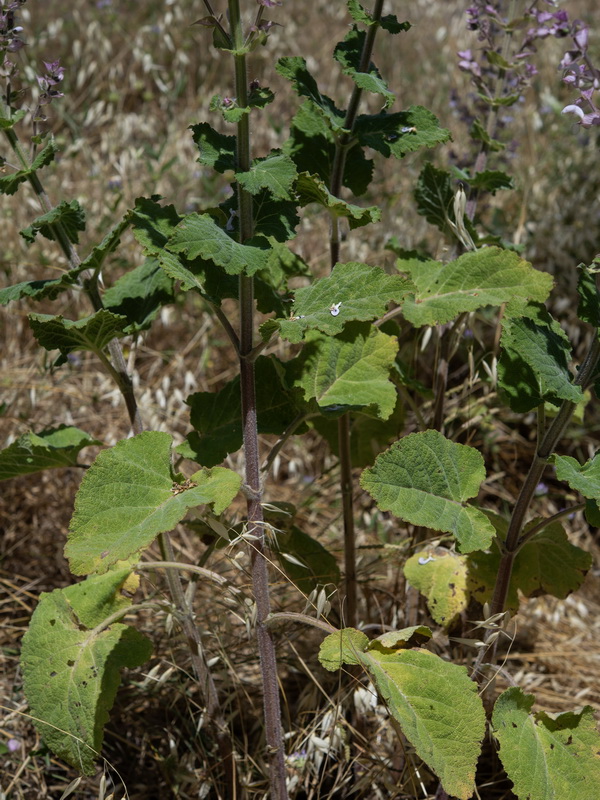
x,y
260,574
337,177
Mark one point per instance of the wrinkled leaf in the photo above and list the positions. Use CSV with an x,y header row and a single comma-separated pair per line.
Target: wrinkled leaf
x,y
441,576
50,449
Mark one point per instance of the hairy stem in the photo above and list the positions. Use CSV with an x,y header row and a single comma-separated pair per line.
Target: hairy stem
x,y
258,554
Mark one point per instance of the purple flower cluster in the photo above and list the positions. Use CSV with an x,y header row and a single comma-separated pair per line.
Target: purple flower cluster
x,y
582,75
48,82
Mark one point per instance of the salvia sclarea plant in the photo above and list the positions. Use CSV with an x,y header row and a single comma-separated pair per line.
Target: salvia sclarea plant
x,y
345,378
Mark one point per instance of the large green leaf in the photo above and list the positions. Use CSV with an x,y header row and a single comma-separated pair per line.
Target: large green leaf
x,y
69,215
276,173
487,277
440,575
547,564
71,668
140,294
588,309
198,235
50,449
311,189
130,494
10,183
216,150
312,146
349,370
92,333
534,365
426,479
348,53
352,291
294,69
400,133
547,756
434,701
584,478
217,416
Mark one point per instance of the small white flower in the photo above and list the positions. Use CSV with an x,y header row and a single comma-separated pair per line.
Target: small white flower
x,y
334,309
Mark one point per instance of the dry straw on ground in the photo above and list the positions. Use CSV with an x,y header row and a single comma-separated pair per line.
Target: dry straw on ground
x,y
137,76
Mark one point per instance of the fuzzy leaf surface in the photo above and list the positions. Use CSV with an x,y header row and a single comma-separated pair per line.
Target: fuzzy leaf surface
x,y
216,149
198,235
349,370
36,290
140,294
130,494
426,480
70,215
276,173
50,449
588,309
348,53
438,708
71,672
487,277
92,333
434,194
217,416
358,292
294,69
441,576
342,647
584,478
312,146
547,564
400,133
534,365
388,22
10,183
547,757
311,189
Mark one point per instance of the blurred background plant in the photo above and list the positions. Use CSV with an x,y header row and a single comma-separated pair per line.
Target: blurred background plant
x,y
136,76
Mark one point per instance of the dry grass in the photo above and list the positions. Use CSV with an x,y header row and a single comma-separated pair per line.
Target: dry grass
x,y
137,77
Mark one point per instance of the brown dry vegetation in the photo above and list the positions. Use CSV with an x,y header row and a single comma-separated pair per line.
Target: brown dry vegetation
x,y
137,76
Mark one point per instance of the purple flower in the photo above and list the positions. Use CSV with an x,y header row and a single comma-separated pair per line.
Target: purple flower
x,y
13,745
47,82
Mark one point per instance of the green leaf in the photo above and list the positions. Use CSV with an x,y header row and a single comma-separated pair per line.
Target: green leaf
x,y
10,183
92,333
276,173
547,756
294,69
348,53
50,449
588,309
547,564
434,701
139,295
311,189
584,478
304,560
312,147
592,513
217,416
533,367
393,641
350,370
352,291
98,254
130,494
70,216
9,122
198,235
275,219
400,133
487,277
368,435
434,194
37,290
389,22
440,575
71,670
491,180
216,150
426,480
153,224
438,709
342,647
478,132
